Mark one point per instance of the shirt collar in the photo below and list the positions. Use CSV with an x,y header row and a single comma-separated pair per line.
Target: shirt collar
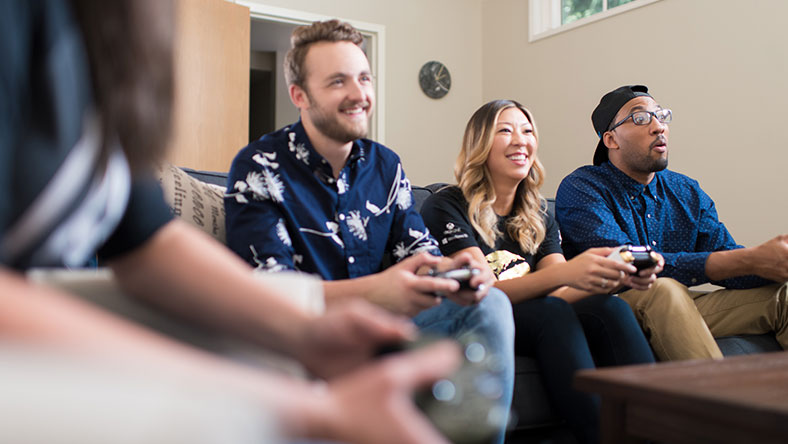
x,y
630,185
315,159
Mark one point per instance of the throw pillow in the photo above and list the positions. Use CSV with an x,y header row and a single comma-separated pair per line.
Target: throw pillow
x,y
198,203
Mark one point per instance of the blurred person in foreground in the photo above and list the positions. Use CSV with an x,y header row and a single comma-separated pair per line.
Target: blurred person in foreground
x,y
85,97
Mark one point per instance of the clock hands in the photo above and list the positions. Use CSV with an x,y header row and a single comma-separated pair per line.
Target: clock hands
x,y
435,79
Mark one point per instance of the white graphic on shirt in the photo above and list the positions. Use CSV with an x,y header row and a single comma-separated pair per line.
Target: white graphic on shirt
x,y
399,193
404,194
333,232
274,186
341,185
422,242
262,186
270,264
357,224
281,233
266,159
301,152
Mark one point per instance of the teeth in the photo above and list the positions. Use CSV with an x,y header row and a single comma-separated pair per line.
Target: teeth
x,y
517,157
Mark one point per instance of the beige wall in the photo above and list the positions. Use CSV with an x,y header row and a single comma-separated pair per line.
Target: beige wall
x,y
721,66
425,132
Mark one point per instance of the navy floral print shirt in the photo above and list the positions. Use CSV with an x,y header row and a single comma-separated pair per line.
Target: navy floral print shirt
x,y
601,206
285,210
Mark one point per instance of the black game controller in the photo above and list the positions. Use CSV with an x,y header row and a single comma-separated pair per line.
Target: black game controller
x,y
463,275
641,257
465,406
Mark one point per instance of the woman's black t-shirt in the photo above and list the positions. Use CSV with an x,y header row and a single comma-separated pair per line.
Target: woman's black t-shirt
x,y
446,215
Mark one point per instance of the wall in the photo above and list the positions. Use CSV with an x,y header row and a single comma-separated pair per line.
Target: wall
x,y
425,132
721,67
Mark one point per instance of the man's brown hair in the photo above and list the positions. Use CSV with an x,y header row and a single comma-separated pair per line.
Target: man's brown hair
x,y
305,36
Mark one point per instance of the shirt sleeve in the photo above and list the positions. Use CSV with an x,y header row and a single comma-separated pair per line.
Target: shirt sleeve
x,y
408,235
256,229
714,236
145,214
552,240
586,220
445,214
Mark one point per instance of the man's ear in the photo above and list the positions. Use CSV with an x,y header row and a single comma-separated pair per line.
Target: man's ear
x,y
299,97
610,141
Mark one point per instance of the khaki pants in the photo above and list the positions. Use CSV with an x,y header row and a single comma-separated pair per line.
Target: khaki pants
x,y
682,324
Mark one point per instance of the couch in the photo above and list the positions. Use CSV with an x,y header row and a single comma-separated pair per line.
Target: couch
x,y
196,196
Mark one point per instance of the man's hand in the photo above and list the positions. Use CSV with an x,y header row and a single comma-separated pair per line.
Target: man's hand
x,y
770,259
348,335
374,404
401,290
643,279
481,282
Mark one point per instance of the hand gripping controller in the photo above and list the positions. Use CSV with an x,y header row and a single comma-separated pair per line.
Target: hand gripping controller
x,y
464,406
641,257
463,275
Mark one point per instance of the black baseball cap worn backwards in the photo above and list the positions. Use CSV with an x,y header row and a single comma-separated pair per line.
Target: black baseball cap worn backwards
x,y
606,111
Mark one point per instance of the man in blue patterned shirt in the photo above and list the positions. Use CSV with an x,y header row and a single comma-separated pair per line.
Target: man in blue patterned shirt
x,y
629,197
317,197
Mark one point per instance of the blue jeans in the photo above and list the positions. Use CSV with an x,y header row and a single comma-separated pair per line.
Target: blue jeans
x,y
490,320
564,338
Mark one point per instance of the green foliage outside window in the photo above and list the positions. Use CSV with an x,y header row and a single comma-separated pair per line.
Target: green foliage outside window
x,y
572,10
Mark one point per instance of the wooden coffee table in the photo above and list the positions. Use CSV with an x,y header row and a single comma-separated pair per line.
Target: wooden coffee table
x,y
741,399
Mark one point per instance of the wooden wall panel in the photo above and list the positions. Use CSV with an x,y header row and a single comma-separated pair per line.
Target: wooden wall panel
x,y
212,84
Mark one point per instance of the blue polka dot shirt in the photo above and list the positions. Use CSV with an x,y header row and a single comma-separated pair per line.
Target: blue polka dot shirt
x,y
601,206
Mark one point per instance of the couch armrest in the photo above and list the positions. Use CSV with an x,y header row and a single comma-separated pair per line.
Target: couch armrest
x,y
98,286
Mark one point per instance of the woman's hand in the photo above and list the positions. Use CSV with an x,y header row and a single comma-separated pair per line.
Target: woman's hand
x,y
594,272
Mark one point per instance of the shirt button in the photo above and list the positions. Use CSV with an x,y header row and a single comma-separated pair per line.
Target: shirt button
x,y
341,217
654,243
330,180
694,280
631,197
648,216
351,259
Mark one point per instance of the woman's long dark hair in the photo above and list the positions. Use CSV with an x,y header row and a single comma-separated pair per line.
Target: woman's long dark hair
x,y
130,46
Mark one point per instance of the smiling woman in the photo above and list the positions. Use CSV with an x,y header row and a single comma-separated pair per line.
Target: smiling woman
x,y
497,214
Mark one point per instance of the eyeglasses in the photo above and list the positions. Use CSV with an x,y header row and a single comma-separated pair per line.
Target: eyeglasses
x,y
664,115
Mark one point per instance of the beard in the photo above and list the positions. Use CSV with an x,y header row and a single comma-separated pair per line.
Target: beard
x,y
648,165
644,163
659,164
332,127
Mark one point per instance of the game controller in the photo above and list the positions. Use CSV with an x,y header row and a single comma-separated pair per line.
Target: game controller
x,y
462,275
465,406
641,257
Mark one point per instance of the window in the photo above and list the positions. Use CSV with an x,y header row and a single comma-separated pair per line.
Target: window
x,y
548,17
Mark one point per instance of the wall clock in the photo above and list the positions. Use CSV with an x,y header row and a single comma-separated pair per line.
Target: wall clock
x,y
434,79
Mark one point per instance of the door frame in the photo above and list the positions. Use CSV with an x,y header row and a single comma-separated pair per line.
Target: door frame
x,y
376,37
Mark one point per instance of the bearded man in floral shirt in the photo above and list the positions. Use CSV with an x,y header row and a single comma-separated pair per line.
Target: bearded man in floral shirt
x,y
317,197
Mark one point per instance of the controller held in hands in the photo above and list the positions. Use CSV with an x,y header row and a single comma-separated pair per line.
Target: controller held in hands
x,y
462,275
464,406
641,256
